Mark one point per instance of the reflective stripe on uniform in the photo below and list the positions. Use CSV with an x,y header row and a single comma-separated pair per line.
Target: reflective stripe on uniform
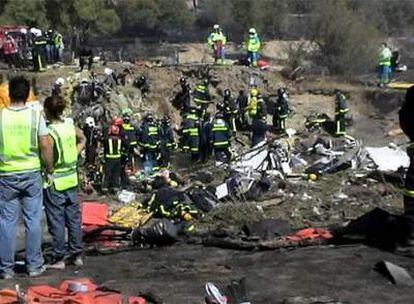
x,y
409,193
111,154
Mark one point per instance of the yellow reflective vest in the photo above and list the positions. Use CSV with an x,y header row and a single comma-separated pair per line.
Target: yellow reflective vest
x,y
19,145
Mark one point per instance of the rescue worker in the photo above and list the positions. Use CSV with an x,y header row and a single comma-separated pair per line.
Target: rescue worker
x,y
129,138
57,87
259,130
229,109
341,108
39,53
253,47
85,55
168,143
202,97
182,100
58,46
384,65
256,107
150,141
142,84
406,245
242,101
90,130
49,46
217,41
61,195
281,111
191,134
83,93
10,51
205,145
113,164
24,142
220,138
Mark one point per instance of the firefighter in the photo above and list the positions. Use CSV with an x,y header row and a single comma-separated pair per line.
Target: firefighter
x,y
341,108
242,101
150,141
220,138
191,134
281,111
202,97
205,146
142,84
406,245
39,53
168,143
229,109
217,41
129,137
259,130
91,131
113,165
256,107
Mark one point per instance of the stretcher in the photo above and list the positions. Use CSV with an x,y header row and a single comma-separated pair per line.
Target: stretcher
x,y
400,85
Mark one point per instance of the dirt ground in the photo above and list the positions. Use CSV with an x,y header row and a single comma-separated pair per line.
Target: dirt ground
x,y
177,273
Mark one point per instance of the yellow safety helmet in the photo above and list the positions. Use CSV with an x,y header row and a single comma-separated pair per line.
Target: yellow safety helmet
x,y
254,92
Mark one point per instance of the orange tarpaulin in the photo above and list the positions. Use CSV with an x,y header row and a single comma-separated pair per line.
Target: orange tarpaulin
x,y
5,99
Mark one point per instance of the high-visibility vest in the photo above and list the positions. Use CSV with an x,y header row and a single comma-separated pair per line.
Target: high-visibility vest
x,y
385,57
253,44
19,146
64,134
252,106
114,153
215,37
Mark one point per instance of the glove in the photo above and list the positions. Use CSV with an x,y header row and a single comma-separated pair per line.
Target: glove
x,y
237,292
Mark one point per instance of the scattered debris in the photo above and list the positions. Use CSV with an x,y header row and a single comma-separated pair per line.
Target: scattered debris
x,y
396,274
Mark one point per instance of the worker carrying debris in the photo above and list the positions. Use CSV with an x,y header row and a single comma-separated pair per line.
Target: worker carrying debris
x,y
191,134
217,41
341,108
384,65
406,123
202,97
229,109
253,47
220,138
281,111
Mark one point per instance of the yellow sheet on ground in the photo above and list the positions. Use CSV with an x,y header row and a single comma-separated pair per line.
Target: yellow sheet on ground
x,y
5,99
131,216
400,85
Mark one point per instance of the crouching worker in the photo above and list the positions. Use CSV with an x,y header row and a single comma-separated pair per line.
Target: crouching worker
x,y
61,204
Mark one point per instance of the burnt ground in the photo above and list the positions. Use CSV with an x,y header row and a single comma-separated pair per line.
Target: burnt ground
x,y
177,274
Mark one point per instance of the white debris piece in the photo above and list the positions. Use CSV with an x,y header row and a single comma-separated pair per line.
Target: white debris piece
x,y
388,159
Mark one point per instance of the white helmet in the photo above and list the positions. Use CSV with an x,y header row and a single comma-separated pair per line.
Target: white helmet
x,y
216,27
90,121
84,80
60,81
252,31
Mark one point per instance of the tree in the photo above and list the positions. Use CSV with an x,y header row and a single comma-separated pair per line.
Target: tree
x,y
347,44
28,12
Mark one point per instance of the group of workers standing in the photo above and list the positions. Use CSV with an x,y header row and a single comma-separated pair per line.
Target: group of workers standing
x,y
217,41
46,48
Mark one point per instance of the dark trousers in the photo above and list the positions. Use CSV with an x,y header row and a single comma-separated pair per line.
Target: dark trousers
x,y
112,174
279,123
63,211
340,124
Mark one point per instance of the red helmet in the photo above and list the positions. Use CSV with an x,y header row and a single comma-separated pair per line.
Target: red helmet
x,y
117,122
114,130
